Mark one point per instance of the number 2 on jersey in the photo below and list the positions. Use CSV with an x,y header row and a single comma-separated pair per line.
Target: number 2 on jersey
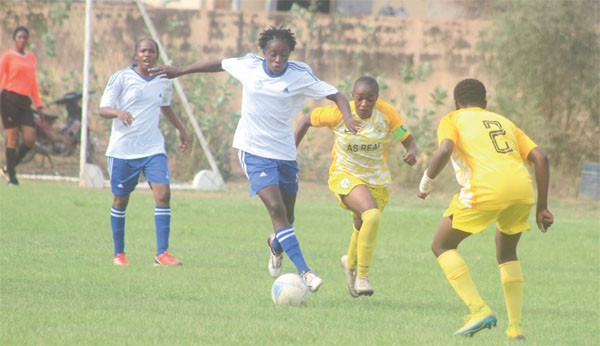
x,y
494,134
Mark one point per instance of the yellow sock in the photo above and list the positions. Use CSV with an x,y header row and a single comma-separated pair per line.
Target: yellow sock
x,y
351,259
511,277
366,240
457,273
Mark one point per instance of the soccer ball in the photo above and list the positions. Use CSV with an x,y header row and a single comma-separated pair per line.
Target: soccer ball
x,y
289,289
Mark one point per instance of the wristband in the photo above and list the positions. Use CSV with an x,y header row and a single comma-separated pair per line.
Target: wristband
x,y
426,183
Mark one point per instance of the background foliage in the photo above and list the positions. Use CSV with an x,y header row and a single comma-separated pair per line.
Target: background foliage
x,y
540,60
545,58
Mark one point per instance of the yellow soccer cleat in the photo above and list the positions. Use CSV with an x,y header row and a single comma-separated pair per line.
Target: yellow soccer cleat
x,y
482,317
514,332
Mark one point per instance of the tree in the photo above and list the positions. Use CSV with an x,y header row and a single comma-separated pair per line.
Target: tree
x,y
545,57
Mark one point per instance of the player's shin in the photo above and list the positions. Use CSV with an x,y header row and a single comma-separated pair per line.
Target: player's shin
x,y
367,238
117,224
287,238
162,223
511,277
457,273
351,259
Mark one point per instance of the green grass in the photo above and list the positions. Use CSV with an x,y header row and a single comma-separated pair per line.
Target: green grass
x,y
58,286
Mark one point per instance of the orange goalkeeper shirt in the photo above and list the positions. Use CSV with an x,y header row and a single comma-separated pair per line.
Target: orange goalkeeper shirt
x,y
18,74
488,158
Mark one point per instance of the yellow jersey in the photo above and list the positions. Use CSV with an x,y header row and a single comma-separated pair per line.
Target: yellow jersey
x,y
488,158
363,155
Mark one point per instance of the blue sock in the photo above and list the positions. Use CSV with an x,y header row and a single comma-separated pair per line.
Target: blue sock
x,y
288,241
276,246
117,223
162,222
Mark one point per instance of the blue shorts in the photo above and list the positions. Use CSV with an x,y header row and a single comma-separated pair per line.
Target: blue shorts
x,y
125,174
262,172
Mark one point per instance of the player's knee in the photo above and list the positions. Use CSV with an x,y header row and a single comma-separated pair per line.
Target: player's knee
x,y
121,202
502,258
163,199
435,249
372,217
277,212
438,248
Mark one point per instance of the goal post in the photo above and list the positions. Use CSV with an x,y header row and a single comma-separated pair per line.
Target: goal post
x,y
209,180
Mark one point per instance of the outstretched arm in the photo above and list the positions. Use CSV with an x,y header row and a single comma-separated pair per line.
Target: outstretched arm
x,y
302,128
543,216
167,71
439,160
342,102
175,121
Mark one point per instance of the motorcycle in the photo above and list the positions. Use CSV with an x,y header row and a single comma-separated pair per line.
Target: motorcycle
x,y
62,140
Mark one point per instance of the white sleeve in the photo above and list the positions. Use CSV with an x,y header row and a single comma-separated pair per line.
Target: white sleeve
x,y
320,90
308,84
237,67
112,91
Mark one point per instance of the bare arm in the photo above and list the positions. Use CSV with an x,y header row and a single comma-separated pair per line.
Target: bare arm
x,y
344,106
302,128
544,217
439,160
410,156
175,121
198,67
111,113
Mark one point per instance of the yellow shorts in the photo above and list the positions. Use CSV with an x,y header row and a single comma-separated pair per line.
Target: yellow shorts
x,y
341,184
511,220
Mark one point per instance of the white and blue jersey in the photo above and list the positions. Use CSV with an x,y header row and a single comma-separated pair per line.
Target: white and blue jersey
x,y
270,103
128,91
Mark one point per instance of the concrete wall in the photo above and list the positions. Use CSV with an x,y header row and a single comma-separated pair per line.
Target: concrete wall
x,y
336,48
339,49
443,9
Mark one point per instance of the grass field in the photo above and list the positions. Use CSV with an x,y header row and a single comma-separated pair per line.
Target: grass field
x,y
59,287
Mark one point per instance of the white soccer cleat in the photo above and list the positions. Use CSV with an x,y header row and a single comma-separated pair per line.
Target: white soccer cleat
x,y
275,259
350,276
362,286
312,281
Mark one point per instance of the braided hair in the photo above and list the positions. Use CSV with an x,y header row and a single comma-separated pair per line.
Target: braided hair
x,y
470,92
280,33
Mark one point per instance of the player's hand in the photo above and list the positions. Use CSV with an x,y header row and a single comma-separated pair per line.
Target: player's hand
x,y
125,117
164,71
41,114
425,186
410,158
423,195
544,219
353,125
185,143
